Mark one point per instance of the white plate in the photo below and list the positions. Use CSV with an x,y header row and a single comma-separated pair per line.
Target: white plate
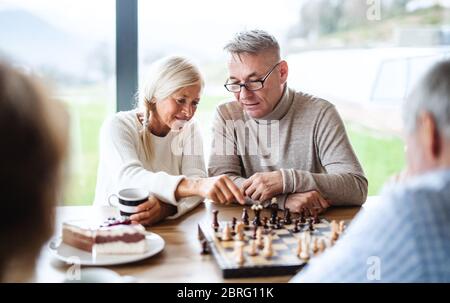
x,y
72,255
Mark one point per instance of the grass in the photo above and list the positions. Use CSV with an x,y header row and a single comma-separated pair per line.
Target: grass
x,y
380,156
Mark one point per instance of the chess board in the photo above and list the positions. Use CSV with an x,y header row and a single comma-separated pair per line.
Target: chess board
x,y
285,241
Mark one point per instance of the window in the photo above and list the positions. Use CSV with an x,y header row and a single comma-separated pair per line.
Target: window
x,y
70,44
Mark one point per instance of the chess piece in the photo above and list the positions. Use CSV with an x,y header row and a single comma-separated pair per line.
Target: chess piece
x,y
341,227
215,223
233,223
257,209
299,247
315,246
239,250
205,250
259,237
296,229
321,245
274,211
334,231
311,225
245,216
316,218
255,229
287,216
226,235
302,217
268,250
239,230
253,248
304,255
265,221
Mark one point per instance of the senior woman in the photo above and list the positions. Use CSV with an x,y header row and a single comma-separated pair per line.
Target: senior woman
x,y
157,147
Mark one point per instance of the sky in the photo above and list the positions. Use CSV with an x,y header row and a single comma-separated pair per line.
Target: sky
x,y
167,21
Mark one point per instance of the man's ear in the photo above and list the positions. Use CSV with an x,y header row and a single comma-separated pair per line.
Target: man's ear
x,y
430,136
284,71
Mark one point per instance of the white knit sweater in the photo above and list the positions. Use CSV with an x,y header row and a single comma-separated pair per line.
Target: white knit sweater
x,y
123,162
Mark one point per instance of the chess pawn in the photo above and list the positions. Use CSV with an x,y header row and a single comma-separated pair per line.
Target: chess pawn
x,y
341,227
268,250
321,245
226,235
299,247
239,248
259,238
239,230
253,248
245,216
215,224
315,246
304,255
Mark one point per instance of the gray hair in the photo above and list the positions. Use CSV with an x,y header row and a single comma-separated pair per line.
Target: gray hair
x,y
166,76
432,95
253,42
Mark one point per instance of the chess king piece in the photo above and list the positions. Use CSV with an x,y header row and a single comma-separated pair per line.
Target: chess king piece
x,y
226,235
215,224
245,216
268,250
257,209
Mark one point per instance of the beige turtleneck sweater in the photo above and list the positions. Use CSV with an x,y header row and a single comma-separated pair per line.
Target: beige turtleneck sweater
x,y
303,137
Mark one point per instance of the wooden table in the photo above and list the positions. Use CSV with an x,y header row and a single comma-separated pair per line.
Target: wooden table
x,y
180,261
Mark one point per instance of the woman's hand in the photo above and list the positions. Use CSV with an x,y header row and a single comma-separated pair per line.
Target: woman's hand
x,y
152,211
220,189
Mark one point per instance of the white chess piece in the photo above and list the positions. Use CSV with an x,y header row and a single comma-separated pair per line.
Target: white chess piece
x,y
226,235
268,250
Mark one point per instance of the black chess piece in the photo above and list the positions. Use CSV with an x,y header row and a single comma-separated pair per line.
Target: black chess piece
x,y
233,223
287,216
296,229
215,223
245,216
257,219
205,250
274,213
311,224
255,228
265,221
316,218
302,217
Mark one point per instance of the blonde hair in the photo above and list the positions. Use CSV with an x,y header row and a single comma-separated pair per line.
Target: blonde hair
x,y
166,76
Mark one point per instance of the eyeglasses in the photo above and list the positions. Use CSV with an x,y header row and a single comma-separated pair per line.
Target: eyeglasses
x,y
251,85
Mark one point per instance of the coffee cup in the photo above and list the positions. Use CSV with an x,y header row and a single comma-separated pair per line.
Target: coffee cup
x,y
127,200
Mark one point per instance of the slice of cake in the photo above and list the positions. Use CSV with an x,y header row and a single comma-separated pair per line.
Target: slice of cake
x,y
111,237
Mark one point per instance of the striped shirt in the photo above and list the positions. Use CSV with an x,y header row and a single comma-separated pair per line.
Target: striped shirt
x,y
404,238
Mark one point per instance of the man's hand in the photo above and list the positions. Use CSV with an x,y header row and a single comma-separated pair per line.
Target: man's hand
x,y
152,211
310,202
263,186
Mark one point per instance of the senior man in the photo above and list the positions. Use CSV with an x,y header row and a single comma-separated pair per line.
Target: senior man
x,y
405,237
274,141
